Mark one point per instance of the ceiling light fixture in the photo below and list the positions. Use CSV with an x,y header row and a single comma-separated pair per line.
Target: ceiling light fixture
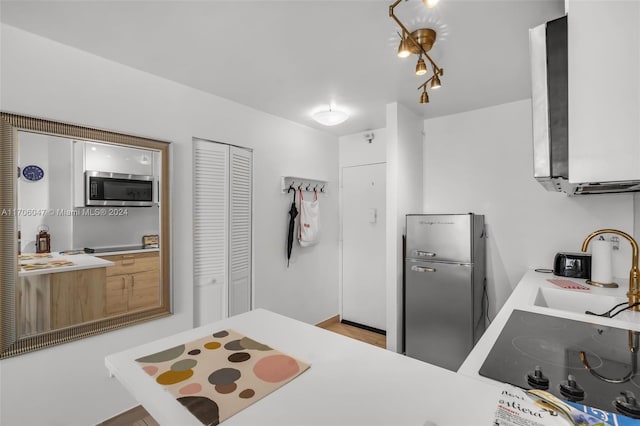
x,y
330,117
419,42
435,81
403,48
421,67
424,97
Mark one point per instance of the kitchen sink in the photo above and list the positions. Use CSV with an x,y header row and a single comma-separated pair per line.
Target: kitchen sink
x,y
572,301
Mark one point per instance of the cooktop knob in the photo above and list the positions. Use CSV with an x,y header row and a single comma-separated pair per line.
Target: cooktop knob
x,y
571,390
626,404
537,379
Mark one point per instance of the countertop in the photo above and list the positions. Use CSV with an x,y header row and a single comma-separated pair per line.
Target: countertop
x,y
523,298
349,382
80,261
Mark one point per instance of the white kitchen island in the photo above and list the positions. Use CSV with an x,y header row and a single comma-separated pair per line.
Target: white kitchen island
x,y
349,382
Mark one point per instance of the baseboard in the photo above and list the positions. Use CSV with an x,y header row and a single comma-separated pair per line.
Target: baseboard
x,y
333,320
364,327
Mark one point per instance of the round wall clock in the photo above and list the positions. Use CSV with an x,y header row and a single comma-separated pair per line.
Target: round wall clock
x,y
33,173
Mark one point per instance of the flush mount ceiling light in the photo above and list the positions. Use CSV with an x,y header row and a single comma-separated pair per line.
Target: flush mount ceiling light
x,y
330,117
419,42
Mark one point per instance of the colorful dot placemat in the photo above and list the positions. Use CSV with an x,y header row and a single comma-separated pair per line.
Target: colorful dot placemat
x,y
218,375
46,265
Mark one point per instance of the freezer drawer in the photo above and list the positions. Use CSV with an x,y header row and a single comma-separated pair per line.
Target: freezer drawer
x,y
442,237
437,329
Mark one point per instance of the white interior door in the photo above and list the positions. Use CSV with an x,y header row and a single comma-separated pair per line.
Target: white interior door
x,y
222,225
363,245
240,179
210,230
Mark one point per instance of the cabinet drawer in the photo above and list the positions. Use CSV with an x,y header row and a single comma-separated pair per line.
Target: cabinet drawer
x,y
132,263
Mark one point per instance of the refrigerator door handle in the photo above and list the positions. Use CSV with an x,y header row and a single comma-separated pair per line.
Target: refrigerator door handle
x,y
425,253
417,268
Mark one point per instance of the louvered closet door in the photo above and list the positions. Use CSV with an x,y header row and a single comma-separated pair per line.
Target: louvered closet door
x,y
210,230
240,230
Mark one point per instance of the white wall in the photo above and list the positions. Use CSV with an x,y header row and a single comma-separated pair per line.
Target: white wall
x,y
115,230
50,196
60,195
35,195
636,216
69,384
356,150
404,196
481,162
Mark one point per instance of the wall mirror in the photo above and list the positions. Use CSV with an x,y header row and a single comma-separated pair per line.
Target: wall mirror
x,y
84,232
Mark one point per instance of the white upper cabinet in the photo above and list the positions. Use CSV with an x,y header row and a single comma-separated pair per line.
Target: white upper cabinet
x,y
118,159
604,90
102,157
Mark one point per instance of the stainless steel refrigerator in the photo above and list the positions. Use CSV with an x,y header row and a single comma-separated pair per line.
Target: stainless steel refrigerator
x,y
444,287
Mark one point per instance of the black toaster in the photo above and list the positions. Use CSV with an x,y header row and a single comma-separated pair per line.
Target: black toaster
x,y
573,265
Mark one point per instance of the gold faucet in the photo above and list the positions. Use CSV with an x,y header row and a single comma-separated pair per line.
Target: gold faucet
x,y
634,275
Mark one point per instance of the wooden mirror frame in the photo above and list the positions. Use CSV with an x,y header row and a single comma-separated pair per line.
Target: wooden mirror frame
x,y
10,344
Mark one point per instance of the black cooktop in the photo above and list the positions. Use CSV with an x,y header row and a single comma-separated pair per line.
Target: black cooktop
x,y
112,249
577,361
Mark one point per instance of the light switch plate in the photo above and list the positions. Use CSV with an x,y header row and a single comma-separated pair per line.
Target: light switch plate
x,y
373,215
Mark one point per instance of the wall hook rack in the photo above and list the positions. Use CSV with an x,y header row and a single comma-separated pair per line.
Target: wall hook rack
x,y
306,184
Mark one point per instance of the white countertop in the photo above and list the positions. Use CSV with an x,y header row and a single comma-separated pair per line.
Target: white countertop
x,y
523,298
349,382
80,261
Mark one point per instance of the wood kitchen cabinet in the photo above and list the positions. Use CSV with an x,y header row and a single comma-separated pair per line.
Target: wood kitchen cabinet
x,y
132,283
56,300
76,297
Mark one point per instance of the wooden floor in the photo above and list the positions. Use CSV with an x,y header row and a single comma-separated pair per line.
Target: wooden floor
x,y
334,324
138,416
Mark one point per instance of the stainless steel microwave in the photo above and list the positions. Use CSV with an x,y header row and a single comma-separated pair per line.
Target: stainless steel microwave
x,y
118,189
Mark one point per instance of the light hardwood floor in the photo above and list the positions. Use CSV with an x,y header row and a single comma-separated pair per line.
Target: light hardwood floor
x,y
138,416
334,324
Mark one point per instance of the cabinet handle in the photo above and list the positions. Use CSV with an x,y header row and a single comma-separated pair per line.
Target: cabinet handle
x,y
133,280
128,260
422,269
425,253
123,284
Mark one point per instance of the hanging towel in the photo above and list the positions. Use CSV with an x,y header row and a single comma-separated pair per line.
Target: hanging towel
x,y
309,216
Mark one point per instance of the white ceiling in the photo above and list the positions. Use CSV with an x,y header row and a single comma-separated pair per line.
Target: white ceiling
x,y
288,58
